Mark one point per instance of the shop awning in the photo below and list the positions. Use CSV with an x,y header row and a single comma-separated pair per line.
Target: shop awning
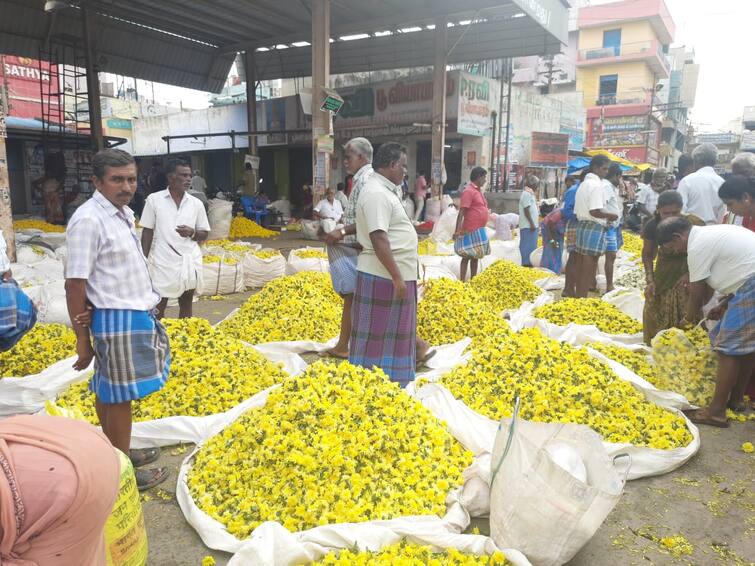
x,y
624,162
193,43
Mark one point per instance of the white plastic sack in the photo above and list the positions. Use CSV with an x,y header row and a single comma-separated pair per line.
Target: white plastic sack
x,y
445,202
506,250
432,209
221,279
283,206
271,544
53,239
220,215
628,301
41,273
50,301
260,271
445,227
295,264
537,505
31,254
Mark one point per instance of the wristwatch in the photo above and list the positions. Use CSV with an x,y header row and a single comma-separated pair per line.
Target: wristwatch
x,y
343,232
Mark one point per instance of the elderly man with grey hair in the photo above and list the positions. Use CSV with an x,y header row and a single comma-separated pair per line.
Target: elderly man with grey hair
x,y
743,164
699,190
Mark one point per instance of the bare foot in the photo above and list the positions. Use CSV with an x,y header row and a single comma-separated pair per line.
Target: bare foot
x,y
333,353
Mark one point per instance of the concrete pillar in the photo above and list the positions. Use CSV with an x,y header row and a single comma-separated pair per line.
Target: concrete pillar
x,y
93,79
322,123
251,108
6,213
439,106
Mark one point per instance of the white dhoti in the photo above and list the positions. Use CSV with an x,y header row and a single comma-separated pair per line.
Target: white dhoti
x,y
175,271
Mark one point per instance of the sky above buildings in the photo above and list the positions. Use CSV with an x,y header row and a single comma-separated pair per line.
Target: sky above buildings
x,y
717,31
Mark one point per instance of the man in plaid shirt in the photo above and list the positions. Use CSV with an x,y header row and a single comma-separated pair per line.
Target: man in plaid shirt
x,y
107,270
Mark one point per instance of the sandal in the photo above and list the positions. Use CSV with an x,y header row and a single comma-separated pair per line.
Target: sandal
x,y
427,357
143,456
147,479
701,416
333,354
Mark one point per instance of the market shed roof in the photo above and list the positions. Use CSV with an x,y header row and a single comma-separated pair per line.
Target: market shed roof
x,y
192,43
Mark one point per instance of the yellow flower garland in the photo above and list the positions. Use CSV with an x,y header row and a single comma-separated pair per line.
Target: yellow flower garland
x,y
560,383
296,307
209,373
336,444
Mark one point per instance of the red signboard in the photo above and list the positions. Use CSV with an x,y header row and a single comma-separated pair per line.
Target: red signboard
x,y
25,79
549,149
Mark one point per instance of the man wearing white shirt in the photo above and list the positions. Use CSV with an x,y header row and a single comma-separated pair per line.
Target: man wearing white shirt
x,y
176,221
592,221
614,205
329,208
722,258
699,190
647,200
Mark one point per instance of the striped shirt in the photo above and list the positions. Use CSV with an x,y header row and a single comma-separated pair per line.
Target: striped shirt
x,y
103,248
350,214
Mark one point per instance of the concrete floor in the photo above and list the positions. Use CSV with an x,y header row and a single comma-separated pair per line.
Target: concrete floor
x,y
710,500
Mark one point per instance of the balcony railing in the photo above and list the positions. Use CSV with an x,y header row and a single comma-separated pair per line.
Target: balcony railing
x,y
625,50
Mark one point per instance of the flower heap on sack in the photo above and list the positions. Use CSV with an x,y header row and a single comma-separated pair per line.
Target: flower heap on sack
x,y
451,310
409,554
267,254
560,383
295,307
34,224
686,364
242,227
506,285
310,254
210,373
228,260
605,316
633,278
337,444
43,345
639,361
632,244
228,246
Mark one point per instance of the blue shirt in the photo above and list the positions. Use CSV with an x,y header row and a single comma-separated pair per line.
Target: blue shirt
x,y
569,197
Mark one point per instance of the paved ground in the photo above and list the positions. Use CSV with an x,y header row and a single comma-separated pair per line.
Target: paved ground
x,y
710,501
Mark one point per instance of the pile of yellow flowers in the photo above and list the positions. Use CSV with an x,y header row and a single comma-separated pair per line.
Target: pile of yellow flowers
x,y
310,254
36,224
639,361
605,316
686,364
451,310
242,227
295,307
506,285
632,244
228,260
560,383
228,246
209,373
409,554
267,254
337,444
43,345
427,247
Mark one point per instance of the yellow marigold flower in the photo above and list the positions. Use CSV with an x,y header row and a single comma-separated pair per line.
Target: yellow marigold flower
x,y
337,444
296,307
632,244
560,383
686,364
506,285
267,254
677,545
208,561
209,373
605,316
36,224
748,448
228,260
311,254
228,246
451,310
43,345
242,227
410,554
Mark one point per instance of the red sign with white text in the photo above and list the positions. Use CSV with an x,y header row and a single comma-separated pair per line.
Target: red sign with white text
x,y
25,79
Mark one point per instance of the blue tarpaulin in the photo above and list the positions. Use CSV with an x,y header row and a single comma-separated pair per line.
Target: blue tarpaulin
x,y
578,163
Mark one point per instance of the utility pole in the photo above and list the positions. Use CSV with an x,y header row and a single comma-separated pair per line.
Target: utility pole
x,y
6,213
508,123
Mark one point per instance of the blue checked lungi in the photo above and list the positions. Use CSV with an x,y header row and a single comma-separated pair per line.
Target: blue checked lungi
x,y
17,314
383,328
591,238
570,236
473,245
614,239
132,355
527,244
343,268
734,334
